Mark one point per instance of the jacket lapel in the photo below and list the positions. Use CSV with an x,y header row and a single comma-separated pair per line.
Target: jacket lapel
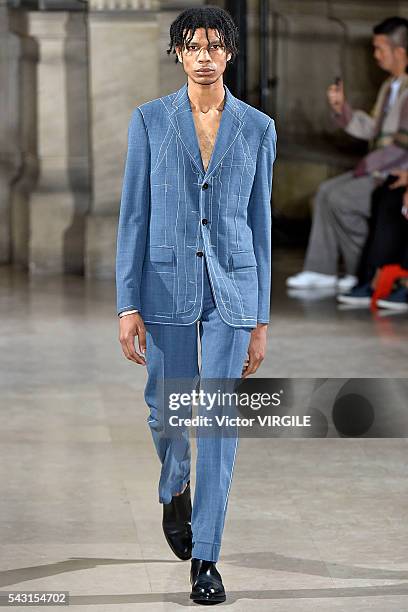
x,y
181,117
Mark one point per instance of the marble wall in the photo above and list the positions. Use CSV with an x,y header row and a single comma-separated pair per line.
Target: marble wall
x,y
312,43
70,80
124,72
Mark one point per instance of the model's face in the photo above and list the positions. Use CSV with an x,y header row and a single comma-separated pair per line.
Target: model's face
x,y
204,62
388,56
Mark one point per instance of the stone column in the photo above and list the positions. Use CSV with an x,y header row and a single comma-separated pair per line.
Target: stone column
x,y
51,197
61,198
124,72
10,156
22,126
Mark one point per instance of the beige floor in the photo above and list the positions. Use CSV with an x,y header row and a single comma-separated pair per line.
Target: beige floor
x,y
315,525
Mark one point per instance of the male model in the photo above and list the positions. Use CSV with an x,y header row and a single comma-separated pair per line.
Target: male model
x,y
342,204
194,257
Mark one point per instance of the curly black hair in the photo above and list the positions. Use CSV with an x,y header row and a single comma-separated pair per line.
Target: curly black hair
x,y
208,17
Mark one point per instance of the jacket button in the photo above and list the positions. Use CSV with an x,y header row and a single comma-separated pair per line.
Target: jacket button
x,y
204,221
205,186
199,253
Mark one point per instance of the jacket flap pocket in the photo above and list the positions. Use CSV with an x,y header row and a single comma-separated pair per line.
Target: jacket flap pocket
x,y
243,259
161,253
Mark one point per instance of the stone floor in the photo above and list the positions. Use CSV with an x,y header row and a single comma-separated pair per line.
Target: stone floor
x,y
313,524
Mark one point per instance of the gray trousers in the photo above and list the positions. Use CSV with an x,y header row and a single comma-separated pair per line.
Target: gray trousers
x,y
342,207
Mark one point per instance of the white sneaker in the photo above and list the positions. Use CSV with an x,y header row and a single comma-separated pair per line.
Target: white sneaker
x,y
347,282
307,280
397,306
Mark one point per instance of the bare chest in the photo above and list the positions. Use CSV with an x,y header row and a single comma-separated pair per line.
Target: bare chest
x,y
206,126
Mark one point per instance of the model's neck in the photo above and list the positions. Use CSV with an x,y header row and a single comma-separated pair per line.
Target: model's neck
x,y
206,97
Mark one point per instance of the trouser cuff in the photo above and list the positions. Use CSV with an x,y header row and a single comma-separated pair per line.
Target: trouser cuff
x,y
166,496
206,550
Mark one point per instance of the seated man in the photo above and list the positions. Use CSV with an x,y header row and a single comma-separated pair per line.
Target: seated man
x,y
342,204
387,243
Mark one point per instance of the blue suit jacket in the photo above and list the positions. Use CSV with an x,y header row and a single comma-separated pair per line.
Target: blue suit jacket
x,y
172,210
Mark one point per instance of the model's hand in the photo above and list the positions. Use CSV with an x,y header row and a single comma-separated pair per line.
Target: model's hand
x,y
256,350
335,96
401,180
130,326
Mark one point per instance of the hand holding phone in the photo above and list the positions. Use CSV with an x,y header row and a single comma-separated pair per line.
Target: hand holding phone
x,y
335,95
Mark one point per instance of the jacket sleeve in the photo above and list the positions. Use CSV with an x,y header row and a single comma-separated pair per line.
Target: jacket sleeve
x,y
133,216
260,218
357,123
362,125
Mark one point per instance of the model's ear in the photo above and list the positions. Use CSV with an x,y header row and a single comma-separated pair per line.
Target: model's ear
x,y
229,57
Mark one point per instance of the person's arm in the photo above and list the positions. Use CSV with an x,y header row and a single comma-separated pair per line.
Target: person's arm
x,y
260,218
343,116
133,216
361,125
357,123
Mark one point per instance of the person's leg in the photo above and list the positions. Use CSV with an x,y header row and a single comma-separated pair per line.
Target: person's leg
x,y
365,273
384,245
387,232
166,360
398,298
223,352
404,262
350,208
323,249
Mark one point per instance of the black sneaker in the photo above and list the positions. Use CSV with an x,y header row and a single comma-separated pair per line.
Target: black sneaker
x,y
360,295
396,300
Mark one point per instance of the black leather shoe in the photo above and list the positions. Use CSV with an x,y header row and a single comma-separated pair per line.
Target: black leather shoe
x,y
206,582
177,524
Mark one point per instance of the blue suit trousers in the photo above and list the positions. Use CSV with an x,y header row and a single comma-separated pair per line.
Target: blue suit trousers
x,y
172,352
